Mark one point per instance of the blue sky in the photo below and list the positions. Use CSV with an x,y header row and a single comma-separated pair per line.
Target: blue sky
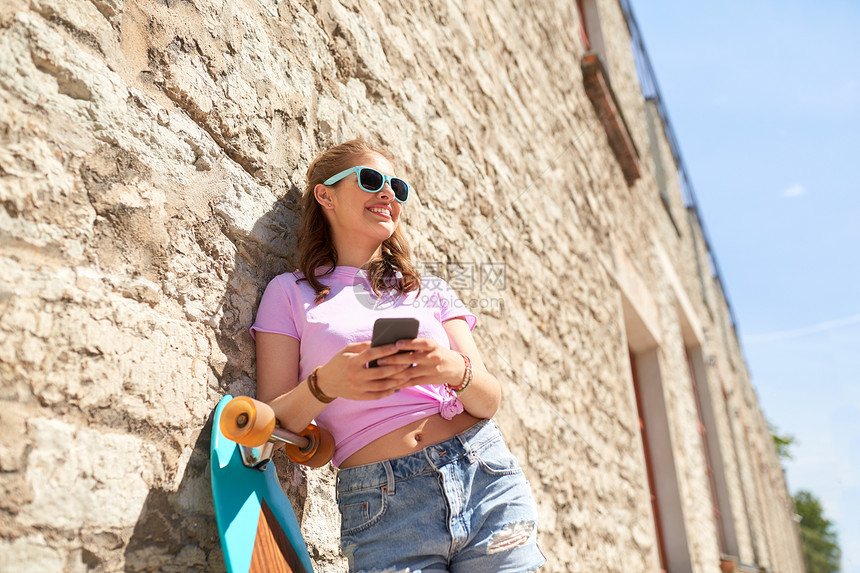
x,y
764,97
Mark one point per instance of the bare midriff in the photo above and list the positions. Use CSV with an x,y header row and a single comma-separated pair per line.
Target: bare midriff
x,y
411,438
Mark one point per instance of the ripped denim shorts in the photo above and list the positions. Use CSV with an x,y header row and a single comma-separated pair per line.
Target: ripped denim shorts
x,y
462,505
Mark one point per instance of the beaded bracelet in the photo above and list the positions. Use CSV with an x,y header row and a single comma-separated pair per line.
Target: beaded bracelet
x,y
467,377
315,389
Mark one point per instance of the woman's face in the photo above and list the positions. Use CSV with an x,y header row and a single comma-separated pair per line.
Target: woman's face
x,y
356,213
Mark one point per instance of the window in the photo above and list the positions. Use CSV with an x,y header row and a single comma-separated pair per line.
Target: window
x,y
655,138
589,28
649,465
583,26
641,323
595,75
672,539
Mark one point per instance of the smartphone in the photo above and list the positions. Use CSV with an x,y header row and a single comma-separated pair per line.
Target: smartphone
x,y
390,330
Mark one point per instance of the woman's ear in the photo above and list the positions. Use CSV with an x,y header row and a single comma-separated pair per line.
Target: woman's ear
x,y
323,195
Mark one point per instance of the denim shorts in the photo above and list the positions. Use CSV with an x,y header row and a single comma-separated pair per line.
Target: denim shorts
x,y
462,505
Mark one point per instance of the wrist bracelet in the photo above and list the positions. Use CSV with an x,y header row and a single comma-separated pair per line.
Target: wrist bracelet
x,y
315,389
467,376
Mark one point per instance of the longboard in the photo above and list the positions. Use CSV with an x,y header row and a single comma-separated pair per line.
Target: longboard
x,y
256,522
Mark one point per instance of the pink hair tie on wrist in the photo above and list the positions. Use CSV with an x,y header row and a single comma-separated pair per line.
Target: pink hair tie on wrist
x,y
451,407
467,377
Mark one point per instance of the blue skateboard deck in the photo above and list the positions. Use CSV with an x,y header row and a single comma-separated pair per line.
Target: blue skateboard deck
x,y
256,523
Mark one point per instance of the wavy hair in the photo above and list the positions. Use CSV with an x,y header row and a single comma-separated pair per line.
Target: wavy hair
x,y
394,271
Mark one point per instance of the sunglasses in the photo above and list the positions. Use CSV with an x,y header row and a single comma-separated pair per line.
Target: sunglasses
x,y
373,181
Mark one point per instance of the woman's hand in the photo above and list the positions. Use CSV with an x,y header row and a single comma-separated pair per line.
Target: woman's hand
x,y
346,375
425,362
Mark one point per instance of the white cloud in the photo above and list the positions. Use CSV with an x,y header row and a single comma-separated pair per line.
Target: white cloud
x,y
795,190
849,88
803,331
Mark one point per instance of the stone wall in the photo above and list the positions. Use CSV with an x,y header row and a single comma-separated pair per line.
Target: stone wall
x,y
151,160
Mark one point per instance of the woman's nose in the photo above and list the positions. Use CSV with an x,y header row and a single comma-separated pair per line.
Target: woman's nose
x,y
385,192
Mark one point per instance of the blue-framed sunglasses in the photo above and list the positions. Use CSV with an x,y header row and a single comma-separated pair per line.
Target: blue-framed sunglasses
x,y
372,181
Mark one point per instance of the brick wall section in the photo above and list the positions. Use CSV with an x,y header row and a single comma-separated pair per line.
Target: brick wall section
x,y
151,157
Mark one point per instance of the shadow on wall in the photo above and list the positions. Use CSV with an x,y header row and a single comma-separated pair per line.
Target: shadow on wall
x,y
176,530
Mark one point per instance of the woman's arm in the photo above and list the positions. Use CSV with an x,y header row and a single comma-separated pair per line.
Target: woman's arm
x,y
344,376
484,395
438,365
278,383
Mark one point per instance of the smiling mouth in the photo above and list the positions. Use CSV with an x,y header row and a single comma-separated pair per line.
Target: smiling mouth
x,y
380,211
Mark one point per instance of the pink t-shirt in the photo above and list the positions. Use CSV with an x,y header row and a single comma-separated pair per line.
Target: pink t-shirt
x,y
346,316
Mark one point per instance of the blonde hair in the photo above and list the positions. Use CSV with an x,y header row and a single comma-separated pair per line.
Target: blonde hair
x,y
316,248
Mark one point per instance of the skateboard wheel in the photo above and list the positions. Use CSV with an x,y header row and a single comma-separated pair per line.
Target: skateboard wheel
x,y
319,450
247,421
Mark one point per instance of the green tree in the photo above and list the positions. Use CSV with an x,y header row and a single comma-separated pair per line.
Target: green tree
x,y
783,442
821,552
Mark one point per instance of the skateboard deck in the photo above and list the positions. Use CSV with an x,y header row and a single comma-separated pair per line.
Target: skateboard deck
x,y
256,522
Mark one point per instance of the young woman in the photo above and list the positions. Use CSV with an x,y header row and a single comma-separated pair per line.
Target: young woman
x,y
425,482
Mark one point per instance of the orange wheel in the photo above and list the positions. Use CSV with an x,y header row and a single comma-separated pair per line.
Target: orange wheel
x,y
317,453
247,421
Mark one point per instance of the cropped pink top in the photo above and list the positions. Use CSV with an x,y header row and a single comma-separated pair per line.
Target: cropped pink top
x,y
347,316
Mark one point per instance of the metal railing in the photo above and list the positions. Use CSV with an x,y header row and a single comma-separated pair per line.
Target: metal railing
x,y
651,91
